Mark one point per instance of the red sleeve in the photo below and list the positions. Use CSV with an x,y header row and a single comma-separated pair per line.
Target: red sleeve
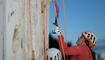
x,y
68,50
57,8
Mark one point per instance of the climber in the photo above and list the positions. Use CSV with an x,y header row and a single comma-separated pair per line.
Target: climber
x,y
83,49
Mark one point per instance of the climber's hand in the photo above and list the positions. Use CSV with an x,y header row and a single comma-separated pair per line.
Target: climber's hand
x,y
57,31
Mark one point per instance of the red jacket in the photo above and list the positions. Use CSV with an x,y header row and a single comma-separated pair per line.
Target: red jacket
x,y
77,52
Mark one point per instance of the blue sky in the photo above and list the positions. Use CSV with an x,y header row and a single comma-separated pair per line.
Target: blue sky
x,y
81,15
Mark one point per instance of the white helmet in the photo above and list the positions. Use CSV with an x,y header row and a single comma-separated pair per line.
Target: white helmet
x,y
54,54
90,37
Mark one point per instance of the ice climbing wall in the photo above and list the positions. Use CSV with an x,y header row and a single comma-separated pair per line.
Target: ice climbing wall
x,y
2,29
15,30
18,29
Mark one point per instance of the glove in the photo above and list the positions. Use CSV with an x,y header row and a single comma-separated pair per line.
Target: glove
x,y
57,31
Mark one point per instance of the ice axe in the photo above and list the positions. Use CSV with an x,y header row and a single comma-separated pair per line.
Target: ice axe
x,y
55,23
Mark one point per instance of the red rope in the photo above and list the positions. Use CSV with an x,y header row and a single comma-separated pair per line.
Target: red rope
x,y
59,31
65,21
65,24
29,9
44,31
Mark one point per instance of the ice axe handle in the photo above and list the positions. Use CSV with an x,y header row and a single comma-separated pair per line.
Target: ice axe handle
x,y
55,23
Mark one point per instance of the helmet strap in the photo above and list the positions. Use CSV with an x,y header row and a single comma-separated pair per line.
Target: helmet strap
x,y
87,42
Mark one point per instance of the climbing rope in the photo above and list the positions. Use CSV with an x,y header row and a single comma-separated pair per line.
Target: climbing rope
x,y
65,21
65,24
29,9
45,28
59,31
45,53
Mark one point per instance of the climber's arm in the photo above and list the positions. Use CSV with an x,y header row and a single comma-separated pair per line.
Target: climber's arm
x,y
67,50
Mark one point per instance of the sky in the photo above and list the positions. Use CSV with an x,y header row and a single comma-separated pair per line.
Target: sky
x,y
81,15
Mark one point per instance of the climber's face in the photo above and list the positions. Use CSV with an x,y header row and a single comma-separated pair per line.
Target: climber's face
x,y
80,40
